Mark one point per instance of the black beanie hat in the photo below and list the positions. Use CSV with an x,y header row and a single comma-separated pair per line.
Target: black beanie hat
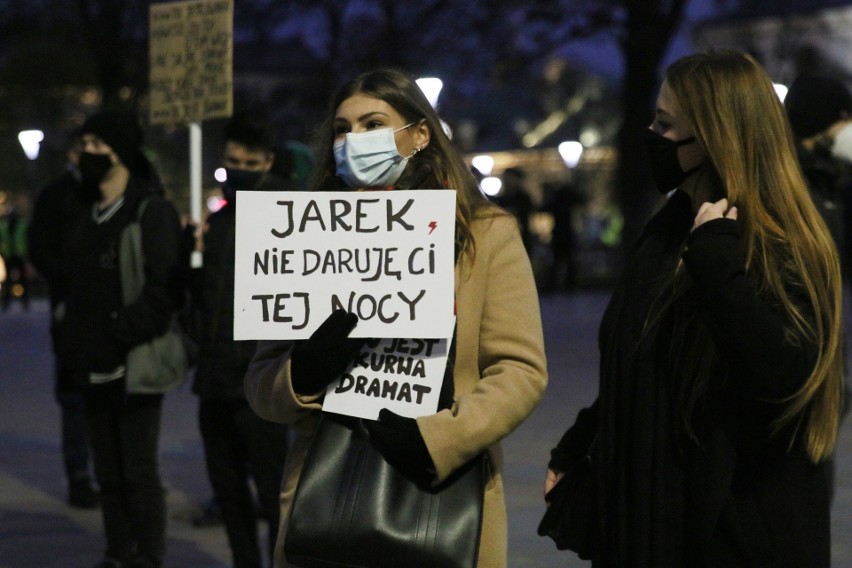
x,y
122,132
815,102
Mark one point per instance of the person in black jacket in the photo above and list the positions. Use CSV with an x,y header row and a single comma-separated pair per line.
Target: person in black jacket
x,y
820,112
721,347
239,446
99,331
57,207
515,199
564,199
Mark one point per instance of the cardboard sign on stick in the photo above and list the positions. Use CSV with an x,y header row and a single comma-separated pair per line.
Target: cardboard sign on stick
x,y
191,61
386,256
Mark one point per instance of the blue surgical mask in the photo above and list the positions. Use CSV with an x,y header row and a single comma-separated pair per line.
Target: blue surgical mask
x,y
369,159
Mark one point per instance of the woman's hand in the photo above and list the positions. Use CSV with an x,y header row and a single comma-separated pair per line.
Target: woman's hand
x,y
399,438
324,356
710,211
552,479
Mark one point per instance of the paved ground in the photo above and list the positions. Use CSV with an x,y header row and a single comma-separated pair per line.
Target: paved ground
x,y
37,529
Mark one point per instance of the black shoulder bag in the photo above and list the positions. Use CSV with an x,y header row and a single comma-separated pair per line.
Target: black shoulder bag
x,y
352,509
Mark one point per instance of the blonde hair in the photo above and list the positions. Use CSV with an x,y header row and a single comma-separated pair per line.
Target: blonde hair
x,y
730,102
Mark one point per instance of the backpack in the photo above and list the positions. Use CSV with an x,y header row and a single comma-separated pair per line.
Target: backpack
x,y
160,364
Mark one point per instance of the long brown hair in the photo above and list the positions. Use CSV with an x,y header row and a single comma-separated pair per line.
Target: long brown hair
x,y
729,101
400,91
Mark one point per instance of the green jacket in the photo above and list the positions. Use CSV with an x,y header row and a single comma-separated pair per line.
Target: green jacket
x,y
13,236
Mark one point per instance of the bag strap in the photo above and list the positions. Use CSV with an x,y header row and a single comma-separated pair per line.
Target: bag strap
x,y
131,257
140,211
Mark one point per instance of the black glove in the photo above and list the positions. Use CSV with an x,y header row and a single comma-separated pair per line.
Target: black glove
x,y
399,440
325,355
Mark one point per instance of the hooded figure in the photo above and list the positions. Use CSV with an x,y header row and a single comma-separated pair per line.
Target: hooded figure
x,y
122,132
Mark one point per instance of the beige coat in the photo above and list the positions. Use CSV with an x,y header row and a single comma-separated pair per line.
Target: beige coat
x,y
500,376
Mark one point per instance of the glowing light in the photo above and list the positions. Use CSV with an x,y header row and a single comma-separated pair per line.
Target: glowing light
x,y
590,137
780,90
571,151
483,163
214,203
431,87
491,185
31,142
220,175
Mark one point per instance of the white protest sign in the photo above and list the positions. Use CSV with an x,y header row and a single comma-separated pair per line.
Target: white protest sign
x,y
386,256
402,375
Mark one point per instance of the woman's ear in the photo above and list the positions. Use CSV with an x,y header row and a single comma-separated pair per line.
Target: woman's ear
x,y
421,135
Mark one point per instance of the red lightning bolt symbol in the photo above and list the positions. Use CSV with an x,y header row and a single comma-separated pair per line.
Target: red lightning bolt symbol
x,y
432,226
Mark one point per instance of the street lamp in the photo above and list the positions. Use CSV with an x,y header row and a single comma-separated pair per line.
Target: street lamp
x,y
31,142
431,87
570,151
484,163
491,185
590,136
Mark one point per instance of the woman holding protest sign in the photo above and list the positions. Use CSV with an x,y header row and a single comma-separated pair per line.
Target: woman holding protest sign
x,y
382,133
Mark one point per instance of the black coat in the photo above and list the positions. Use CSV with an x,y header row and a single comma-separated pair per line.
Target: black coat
x,y
98,329
49,239
828,181
738,496
222,362
50,232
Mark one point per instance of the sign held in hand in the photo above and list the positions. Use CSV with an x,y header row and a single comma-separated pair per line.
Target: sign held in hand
x,y
402,375
386,256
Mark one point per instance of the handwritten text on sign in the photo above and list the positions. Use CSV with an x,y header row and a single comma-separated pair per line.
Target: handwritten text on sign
x,y
386,256
403,375
191,53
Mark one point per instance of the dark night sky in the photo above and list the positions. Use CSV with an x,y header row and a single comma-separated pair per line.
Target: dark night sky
x,y
602,54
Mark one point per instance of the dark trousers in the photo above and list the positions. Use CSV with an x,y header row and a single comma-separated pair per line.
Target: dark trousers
x,y
563,269
69,395
241,447
124,431
75,446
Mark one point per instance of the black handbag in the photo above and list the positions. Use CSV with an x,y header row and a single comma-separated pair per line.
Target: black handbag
x,y
353,509
570,516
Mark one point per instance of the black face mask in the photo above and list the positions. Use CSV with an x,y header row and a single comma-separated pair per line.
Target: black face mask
x,y
665,167
239,180
93,169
